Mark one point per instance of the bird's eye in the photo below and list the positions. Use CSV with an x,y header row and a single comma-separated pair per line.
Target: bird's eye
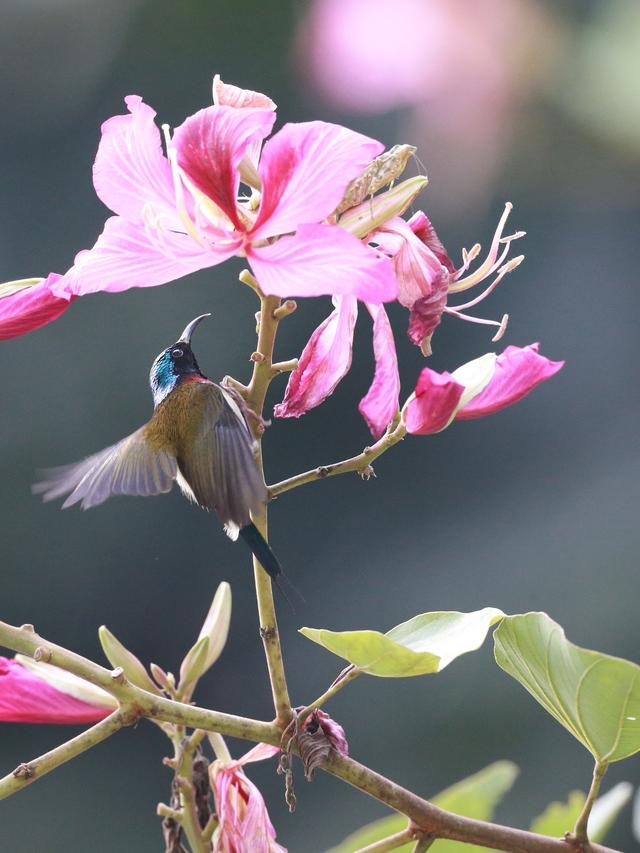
x,y
177,352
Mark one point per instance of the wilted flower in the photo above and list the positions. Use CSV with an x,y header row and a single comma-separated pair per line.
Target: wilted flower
x,y
33,692
27,304
326,359
479,387
243,821
184,212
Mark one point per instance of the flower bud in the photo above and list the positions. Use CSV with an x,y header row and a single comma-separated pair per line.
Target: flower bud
x,y
193,665
374,212
216,624
119,656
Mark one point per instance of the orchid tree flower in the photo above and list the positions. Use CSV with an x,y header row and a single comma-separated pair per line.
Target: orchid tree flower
x,y
326,359
30,303
243,821
186,211
33,692
479,387
427,276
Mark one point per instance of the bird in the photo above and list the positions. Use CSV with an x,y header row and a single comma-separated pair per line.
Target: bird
x,y
198,436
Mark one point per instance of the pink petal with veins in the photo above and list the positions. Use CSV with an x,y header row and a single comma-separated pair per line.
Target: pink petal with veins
x,y
380,403
130,170
322,260
421,226
125,255
210,146
26,698
436,398
243,820
305,169
324,361
31,307
227,95
518,371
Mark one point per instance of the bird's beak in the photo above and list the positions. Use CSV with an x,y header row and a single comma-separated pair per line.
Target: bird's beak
x,y
185,337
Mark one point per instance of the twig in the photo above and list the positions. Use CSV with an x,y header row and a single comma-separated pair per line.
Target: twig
x,y
29,772
392,842
360,464
347,675
579,835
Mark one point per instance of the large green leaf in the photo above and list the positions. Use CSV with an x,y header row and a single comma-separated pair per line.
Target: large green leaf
x,y
593,695
476,797
424,644
559,818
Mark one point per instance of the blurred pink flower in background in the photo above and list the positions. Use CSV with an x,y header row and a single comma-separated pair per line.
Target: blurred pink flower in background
x,y
462,68
33,692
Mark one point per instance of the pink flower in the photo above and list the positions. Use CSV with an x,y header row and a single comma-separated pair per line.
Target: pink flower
x,y
426,275
480,387
40,693
185,212
326,359
28,304
243,821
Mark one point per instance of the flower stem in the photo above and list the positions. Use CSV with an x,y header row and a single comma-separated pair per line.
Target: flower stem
x,y
360,463
347,675
270,314
29,772
580,829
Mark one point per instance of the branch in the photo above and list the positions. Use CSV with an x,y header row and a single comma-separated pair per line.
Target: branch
x,y
27,641
430,819
361,463
29,772
392,842
438,823
263,372
348,674
579,835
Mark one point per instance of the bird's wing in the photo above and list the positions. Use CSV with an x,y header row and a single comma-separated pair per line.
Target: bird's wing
x,y
130,467
221,468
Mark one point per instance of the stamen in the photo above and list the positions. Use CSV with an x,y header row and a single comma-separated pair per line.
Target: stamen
x,y
468,256
507,268
489,262
172,156
502,325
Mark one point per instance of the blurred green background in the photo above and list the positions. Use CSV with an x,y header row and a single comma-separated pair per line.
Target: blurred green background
x,y
535,508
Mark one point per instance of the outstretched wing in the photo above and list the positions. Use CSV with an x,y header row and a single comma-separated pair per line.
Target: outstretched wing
x,y
130,467
220,469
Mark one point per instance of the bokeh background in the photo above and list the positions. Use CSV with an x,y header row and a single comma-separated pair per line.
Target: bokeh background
x,y
536,508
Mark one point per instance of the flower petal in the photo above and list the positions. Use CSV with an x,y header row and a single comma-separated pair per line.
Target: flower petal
x,y
226,95
26,308
434,402
323,260
518,371
323,363
421,226
380,404
305,169
130,171
210,146
27,698
129,254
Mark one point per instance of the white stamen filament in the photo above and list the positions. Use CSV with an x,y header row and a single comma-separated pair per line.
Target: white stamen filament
x,y
502,325
507,268
178,189
489,262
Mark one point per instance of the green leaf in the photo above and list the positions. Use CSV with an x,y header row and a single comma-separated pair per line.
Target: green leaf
x,y
593,695
423,645
559,817
476,797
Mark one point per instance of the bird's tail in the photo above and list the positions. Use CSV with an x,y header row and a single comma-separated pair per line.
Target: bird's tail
x,y
267,559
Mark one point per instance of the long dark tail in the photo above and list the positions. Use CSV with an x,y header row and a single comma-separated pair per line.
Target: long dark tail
x,y
261,549
269,562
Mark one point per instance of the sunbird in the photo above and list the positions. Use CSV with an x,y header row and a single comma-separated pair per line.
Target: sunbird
x,y
198,435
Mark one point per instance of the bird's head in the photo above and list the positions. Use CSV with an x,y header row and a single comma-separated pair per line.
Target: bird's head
x,y
174,362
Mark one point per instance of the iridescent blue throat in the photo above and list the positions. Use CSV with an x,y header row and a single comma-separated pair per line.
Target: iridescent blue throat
x,y
162,377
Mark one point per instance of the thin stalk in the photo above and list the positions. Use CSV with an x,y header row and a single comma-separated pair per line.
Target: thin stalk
x,y
347,675
392,842
360,464
188,815
580,829
29,772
